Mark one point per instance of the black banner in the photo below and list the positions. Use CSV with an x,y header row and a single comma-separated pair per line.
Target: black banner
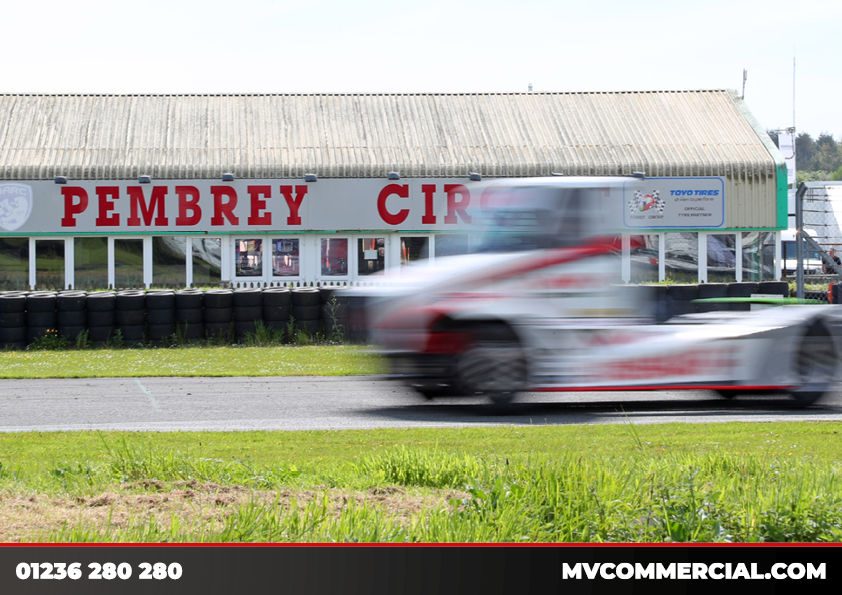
x,y
438,569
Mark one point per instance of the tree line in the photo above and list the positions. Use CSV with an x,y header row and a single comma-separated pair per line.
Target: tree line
x,y
815,160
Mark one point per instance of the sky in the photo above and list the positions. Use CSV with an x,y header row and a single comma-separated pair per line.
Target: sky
x,y
792,51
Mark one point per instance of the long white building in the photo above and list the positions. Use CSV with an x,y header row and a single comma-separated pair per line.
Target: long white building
x,y
177,190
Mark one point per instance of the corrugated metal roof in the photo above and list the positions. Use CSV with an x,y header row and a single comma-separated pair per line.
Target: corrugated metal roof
x,y
669,133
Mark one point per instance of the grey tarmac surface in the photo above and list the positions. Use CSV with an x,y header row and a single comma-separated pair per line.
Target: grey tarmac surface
x,y
341,403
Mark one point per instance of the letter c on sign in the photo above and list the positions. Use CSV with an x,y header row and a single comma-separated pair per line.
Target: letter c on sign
x,y
401,190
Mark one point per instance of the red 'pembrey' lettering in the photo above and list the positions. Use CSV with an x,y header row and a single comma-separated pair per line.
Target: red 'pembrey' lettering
x,y
293,203
457,206
428,190
224,209
258,205
72,208
106,196
188,202
139,206
401,190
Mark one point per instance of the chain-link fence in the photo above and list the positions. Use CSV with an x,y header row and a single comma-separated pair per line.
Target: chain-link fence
x,y
818,215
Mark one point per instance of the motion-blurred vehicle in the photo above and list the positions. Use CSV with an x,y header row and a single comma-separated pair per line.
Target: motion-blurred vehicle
x,y
539,307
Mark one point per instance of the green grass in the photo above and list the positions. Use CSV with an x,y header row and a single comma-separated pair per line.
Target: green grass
x,y
673,482
190,361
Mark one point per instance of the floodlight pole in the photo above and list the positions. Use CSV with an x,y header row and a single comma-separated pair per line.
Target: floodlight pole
x,y
799,241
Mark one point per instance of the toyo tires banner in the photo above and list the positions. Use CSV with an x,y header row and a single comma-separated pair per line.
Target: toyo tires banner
x,y
671,203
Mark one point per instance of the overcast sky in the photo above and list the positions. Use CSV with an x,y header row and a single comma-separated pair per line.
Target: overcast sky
x,y
209,46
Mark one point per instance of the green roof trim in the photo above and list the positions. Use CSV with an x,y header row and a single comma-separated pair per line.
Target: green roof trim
x,y
783,194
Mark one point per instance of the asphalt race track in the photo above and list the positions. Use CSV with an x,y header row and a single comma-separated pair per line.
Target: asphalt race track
x,y
336,403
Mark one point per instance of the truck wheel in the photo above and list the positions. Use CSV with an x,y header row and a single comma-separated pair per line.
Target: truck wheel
x,y
816,364
493,365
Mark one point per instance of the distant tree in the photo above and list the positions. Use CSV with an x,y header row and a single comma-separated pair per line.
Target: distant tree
x,y
837,175
805,152
828,156
816,175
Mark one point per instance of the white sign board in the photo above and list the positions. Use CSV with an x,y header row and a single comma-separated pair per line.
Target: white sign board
x,y
675,203
211,206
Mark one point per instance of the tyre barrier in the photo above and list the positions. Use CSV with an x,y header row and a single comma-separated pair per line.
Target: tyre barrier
x,y
277,302
247,310
189,318
332,314
13,319
306,310
741,290
712,290
160,315
71,314
680,299
40,315
218,323
229,315
100,306
354,318
773,288
130,315
673,300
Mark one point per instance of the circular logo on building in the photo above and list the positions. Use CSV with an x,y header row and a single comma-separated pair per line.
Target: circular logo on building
x,y
650,201
15,205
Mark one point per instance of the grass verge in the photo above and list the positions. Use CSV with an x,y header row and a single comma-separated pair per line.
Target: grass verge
x,y
777,482
316,360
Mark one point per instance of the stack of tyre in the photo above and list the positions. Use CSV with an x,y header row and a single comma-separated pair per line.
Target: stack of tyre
x,y
100,307
130,315
332,313
160,315
354,308
306,310
710,291
13,319
247,310
217,313
71,314
40,315
189,318
741,290
276,308
680,299
780,288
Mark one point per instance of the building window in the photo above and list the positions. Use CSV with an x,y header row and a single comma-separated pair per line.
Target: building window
x,y
14,263
758,256
643,251
90,263
371,253
128,264
169,261
49,264
334,257
414,248
682,257
249,258
285,258
721,257
207,261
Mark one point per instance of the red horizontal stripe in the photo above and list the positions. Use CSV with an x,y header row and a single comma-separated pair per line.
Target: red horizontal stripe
x,y
561,389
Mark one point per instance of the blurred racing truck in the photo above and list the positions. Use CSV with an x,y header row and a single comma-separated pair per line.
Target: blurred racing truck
x,y
539,307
